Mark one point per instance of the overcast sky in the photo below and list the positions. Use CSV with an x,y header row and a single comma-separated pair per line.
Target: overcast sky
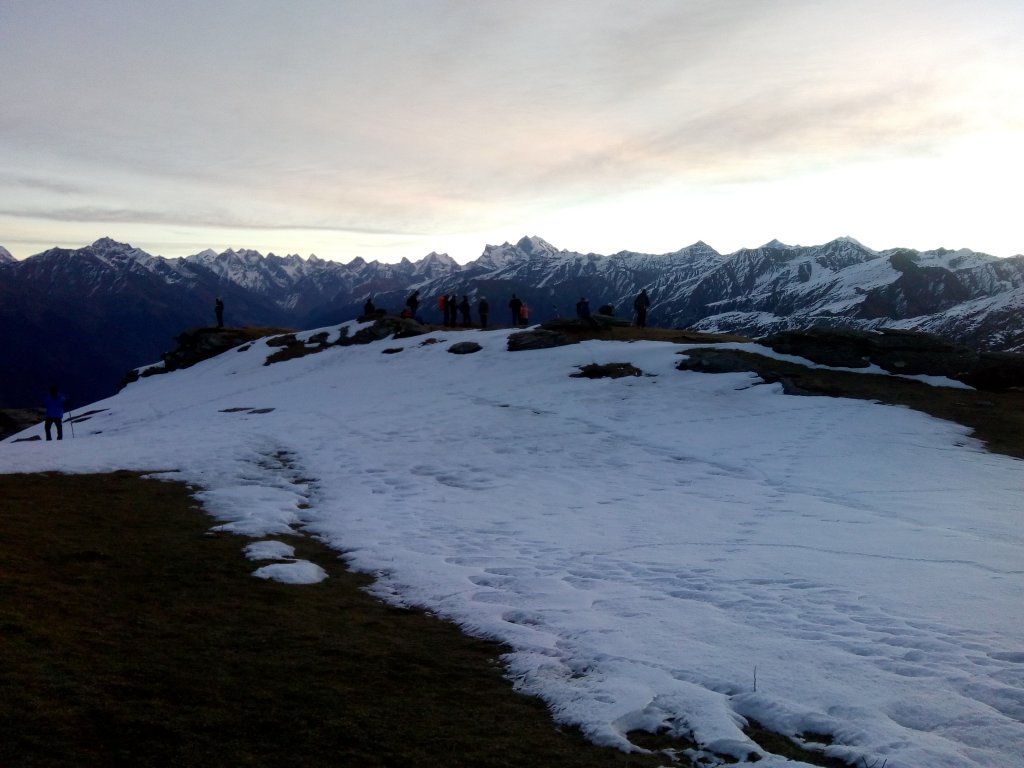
x,y
391,128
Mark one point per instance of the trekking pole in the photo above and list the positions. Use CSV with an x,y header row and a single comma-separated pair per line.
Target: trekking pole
x,y
72,423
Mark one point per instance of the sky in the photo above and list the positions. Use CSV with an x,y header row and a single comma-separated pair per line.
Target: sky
x,y
385,129
678,550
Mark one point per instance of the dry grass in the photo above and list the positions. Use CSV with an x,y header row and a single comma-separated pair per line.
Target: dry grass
x,y
131,637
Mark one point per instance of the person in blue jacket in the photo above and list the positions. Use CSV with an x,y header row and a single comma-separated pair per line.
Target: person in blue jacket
x,y
55,412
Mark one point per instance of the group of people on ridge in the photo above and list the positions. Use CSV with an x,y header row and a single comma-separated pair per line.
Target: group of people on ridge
x,y
453,309
459,313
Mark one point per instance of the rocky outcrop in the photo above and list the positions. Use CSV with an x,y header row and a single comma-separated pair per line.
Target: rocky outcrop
x,y
902,352
385,328
606,371
198,344
538,338
14,420
464,348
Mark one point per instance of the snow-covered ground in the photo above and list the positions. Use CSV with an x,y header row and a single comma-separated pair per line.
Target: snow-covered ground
x,y
678,550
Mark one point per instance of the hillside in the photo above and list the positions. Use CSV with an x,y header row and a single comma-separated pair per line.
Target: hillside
x,y
671,551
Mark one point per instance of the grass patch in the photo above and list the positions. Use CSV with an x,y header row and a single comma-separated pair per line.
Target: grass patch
x,y
130,636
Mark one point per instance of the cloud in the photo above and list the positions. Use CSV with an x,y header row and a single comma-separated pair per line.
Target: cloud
x,y
413,118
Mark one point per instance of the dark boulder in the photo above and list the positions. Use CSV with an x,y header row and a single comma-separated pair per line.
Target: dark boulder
x,y
464,348
538,338
385,328
719,361
607,371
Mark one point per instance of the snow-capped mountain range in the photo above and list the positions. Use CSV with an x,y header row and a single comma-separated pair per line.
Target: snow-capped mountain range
x,y
88,315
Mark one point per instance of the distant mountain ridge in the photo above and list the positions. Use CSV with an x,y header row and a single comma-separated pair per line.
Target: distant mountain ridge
x,y
83,317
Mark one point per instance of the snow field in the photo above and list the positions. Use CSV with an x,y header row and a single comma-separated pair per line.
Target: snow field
x,y
646,546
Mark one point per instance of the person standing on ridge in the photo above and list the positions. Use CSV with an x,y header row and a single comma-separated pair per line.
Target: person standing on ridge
x,y
218,310
413,303
483,309
55,412
515,305
583,309
640,304
464,311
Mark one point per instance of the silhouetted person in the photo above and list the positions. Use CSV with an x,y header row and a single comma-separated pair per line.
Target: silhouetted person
x,y
640,304
524,314
583,309
450,310
218,309
464,311
413,303
483,309
54,413
515,307
369,309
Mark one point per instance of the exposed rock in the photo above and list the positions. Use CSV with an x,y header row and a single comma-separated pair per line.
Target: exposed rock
x,y
838,348
734,361
718,361
607,371
198,344
896,351
384,328
464,348
284,340
291,347
903,352
14,420
537,338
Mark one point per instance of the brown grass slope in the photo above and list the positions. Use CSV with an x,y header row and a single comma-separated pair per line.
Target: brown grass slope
x,y
130,636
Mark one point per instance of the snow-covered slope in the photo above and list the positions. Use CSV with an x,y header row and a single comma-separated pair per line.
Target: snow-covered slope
x,y
676,551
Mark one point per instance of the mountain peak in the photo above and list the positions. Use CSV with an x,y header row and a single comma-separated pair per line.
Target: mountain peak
x,y
435,265
5,255
535,246
850,241
107,244
437,258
